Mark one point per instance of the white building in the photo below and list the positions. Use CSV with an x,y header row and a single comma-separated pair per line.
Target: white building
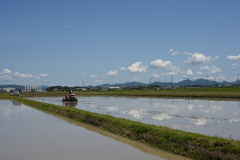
x,y
81,89
8,89
113,88
35,88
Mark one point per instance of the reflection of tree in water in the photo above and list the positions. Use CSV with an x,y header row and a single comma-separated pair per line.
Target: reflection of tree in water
x,y
15,103
72,104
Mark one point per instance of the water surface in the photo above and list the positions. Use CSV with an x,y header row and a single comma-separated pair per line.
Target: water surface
x,y
209,117
30,134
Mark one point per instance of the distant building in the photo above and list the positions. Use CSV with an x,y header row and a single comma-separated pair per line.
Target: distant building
x,y
94,89
2,91
171,87
113,88
35,88
81,89
8,89
104,88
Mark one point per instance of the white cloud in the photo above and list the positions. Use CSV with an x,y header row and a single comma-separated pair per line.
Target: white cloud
x,y
162,116
155,75
112,73
211,78
98,81
228,79
113,108
206,68
169,73
167,65
83,74
212,109
235,65
136,78
236,120
171,50
211,69
189,72
221,78
93,76
5,71
136,112
7,75
172,53
123,69
233,58
43,75
187,53
136,67
197,58
199,121
184,77
20,75
199,72
215,58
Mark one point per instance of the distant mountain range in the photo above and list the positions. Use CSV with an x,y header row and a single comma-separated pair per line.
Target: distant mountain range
x,y
202,82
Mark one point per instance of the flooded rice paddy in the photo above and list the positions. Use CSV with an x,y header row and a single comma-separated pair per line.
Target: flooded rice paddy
x,y
209,117
28,134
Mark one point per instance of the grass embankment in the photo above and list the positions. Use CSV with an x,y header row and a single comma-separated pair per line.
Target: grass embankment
x,y
228,92
191,145
191,93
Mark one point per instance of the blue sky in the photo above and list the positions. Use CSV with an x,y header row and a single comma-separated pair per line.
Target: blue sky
x,y
59,42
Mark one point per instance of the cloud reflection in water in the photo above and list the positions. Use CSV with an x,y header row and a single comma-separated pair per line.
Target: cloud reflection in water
x,y
200,116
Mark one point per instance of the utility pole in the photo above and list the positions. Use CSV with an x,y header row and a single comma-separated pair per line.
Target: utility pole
x,y
207,81
150,83
172,80
238,80
215,81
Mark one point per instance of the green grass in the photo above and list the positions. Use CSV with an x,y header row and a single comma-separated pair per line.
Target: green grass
x,y
190,93
227,92
188,144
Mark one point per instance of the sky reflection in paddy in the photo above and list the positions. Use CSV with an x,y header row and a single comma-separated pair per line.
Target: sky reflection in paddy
x,y
27,134
209,117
